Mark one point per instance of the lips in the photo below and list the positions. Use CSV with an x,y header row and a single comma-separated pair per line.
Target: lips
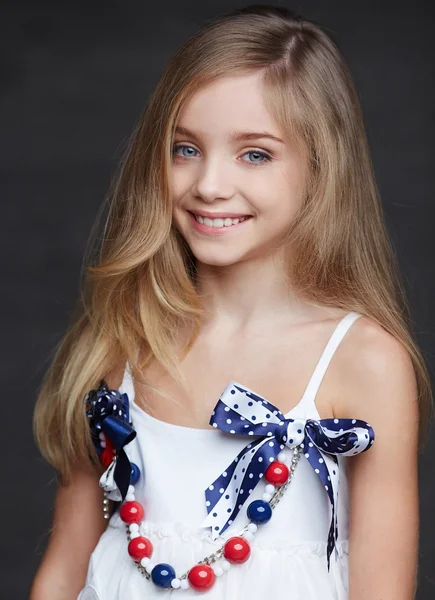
x,y
216,231
218,215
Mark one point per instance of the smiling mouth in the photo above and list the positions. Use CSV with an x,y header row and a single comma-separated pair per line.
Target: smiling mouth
x,y
219,222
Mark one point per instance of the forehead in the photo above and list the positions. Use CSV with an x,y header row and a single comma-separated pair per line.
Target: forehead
x,y
229,103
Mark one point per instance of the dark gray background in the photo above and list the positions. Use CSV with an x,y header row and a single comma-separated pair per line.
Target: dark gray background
x,y
75,77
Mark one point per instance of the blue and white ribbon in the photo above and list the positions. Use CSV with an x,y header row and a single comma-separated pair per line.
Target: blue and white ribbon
x,y
241,411
108,411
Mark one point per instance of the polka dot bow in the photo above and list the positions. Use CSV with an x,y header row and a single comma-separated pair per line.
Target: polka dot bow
x,y
241,411
108,412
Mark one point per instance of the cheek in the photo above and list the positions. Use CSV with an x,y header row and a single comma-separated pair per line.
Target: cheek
x,y
176,190
180,183
277,196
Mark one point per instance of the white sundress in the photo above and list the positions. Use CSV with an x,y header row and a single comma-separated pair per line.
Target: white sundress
x,y
288,554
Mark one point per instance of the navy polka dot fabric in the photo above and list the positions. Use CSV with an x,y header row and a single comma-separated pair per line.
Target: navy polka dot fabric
x,y
108,413
241,411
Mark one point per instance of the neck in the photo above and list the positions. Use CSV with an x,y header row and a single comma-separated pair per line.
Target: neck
x,y
248,294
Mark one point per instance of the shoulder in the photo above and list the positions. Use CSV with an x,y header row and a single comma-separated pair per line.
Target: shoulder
x,y
376,378
115,375
378,386
373,351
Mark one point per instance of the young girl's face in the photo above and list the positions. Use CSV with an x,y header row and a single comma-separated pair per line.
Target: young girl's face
x,y
230,161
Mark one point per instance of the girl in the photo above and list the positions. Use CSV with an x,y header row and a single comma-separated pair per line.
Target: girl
x,y
244,262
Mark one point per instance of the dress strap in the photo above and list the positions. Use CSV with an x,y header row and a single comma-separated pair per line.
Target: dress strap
x,y
308,399
127,385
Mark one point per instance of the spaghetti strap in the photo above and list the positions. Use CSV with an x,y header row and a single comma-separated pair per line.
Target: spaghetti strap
x,y
308,399
127,385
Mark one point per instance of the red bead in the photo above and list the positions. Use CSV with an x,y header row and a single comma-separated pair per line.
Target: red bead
x,y
140,547
201,577
108,454
132,512
277,473
237,550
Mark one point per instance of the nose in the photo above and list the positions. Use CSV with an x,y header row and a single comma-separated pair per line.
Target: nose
x,y
213,180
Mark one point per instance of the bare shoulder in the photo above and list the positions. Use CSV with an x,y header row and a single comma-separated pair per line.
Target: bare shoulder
x,y
378,386
114,377
377,378
371,350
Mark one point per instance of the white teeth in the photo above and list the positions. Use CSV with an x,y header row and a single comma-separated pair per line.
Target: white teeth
x,y
218,222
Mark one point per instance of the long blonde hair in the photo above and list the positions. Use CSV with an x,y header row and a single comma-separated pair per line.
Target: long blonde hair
x,y
139,287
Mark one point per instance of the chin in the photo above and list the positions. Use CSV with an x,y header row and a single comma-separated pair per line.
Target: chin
x,y
212,260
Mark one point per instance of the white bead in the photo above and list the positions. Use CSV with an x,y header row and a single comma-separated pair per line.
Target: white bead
x,y
130,489
252,527
149,567
218,571
270,489
184,584
145,561
134,534
102,436
248,535
226,566
282,456
267,497
133,527
103,444
175,583
130,498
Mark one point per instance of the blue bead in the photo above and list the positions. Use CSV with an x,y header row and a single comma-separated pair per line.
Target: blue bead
x,y
162,575
135,474
259,512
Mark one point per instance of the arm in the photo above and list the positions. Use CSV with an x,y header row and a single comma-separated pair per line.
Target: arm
x,y
77,526
380,388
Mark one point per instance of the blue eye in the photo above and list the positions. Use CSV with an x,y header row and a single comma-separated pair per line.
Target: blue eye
x,y
265,157
254,153
182,147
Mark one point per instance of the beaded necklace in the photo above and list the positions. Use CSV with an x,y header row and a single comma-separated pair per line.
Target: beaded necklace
x,y
235,550
318,441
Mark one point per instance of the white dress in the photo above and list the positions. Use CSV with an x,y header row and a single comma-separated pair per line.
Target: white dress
x,y
177,463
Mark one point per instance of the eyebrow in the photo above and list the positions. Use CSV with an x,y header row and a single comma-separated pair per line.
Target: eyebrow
x,y
237,136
